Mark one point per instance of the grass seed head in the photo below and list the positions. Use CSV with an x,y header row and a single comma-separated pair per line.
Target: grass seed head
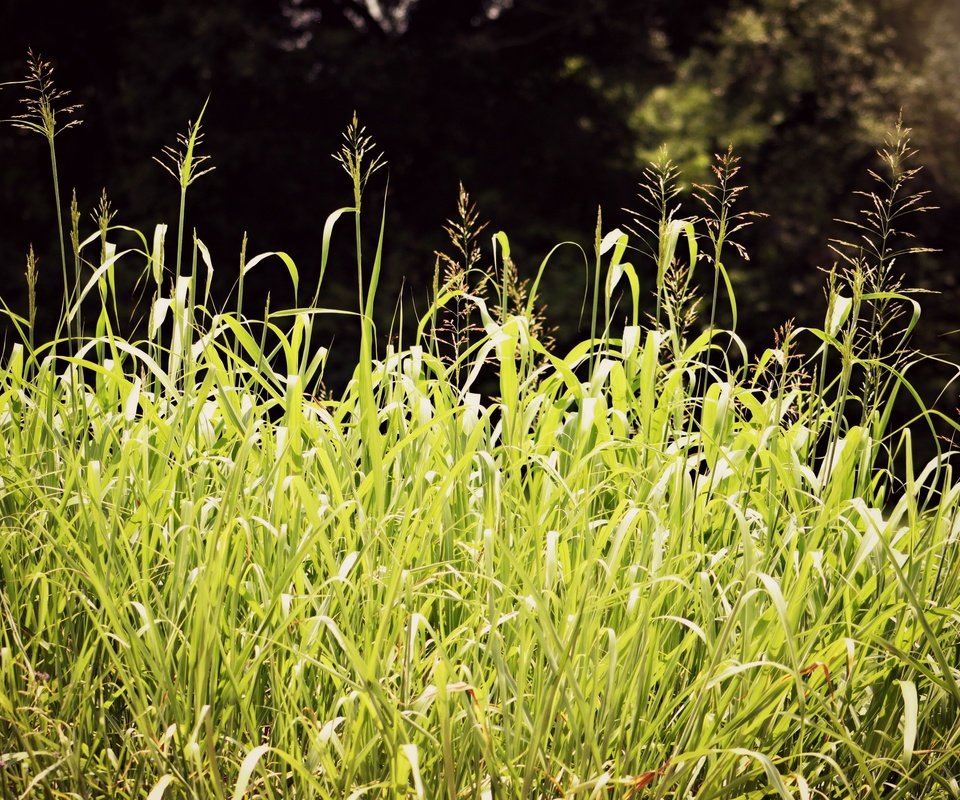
x,y
44,101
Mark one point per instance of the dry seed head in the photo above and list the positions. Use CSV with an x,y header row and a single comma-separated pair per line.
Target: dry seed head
x,y
31,275
878,239
42,100
459,269
176,164
104,213
719,198
358,156
792,374
463,233
881,328
182,162
681,296
657,192
74,224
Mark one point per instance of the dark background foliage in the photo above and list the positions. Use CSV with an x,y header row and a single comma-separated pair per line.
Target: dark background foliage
x,y
545,110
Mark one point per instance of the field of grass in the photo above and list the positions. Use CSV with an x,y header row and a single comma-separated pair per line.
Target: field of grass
x,y
654,566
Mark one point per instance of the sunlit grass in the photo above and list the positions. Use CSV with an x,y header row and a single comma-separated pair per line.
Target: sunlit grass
x,y
651,567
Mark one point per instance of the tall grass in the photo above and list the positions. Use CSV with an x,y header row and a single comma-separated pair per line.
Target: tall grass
x,y
652,567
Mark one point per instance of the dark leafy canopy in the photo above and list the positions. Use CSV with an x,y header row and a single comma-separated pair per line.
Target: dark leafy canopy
x,y
544,109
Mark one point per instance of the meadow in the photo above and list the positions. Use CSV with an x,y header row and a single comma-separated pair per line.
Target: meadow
x,y
654,566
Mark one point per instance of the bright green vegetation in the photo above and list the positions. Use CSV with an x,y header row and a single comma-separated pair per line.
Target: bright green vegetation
x,y
652,567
